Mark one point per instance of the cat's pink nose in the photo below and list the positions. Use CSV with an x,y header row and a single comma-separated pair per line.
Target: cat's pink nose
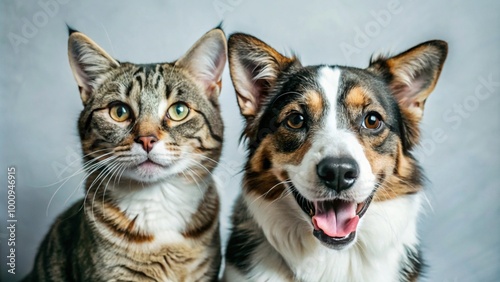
x,y
147,142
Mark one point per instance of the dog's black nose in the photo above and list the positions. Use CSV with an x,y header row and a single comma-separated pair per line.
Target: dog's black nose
x,y
338,173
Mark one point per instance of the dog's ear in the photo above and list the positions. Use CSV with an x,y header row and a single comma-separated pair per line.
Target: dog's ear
x,y
413,74
89,63
254,67
206,59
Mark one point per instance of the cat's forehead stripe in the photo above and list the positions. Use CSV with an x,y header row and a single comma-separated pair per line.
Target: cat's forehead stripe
x,y
130,87
159,75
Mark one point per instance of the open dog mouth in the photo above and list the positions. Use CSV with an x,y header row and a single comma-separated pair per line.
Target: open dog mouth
x,y
335,221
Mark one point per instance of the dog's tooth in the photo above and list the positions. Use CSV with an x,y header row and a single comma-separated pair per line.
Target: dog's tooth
x,y
359,207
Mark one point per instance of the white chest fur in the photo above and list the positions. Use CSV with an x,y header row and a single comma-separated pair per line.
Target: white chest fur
x,y
384,231
162,210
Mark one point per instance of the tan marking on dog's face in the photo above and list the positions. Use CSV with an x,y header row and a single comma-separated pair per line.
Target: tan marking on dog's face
x,y
398,182
391,166
267,179
268,160
315,102
265,185
382,149
357,97
258,160
286,111
295,158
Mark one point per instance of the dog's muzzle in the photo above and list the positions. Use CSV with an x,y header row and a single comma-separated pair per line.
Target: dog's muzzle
x,y
338,173
334,220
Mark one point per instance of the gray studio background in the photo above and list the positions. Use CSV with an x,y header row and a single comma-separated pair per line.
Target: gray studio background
x,y
39,102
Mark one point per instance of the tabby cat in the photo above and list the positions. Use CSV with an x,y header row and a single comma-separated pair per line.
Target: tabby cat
x,y
151,135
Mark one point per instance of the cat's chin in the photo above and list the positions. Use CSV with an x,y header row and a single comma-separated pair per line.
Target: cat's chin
x,y
149,166
148,171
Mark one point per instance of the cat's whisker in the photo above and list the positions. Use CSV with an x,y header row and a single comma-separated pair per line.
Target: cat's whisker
x,y
110,172
90,187
122,170
201,166
116,171
203,156
163,214
95,167
192,177
76,189
81,183
121,174
79,171
197,184
83,158
220,164
99,176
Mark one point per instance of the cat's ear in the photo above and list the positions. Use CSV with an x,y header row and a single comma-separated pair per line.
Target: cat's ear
x,y
413,74
89,63
254,68
206,59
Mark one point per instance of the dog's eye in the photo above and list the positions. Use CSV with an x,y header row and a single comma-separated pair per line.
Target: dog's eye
x,y
372,121
295,121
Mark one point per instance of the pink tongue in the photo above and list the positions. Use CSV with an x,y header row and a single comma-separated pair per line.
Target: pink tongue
x,y
335,219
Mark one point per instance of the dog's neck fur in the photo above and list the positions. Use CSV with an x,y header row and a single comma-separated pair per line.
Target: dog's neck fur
x,y
387,233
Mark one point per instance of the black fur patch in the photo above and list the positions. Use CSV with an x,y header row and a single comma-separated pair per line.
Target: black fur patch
x,y
412,268
289,88
241,246
245,238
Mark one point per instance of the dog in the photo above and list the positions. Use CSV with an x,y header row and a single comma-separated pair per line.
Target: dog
x,y
331,190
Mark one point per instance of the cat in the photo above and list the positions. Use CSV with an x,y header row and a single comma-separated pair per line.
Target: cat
x,y
151,135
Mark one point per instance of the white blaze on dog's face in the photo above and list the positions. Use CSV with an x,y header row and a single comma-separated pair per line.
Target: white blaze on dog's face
x,y
332,137
335,173
336,144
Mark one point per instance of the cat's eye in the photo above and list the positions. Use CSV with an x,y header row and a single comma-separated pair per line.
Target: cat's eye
x,y
295,121
372,121
120,112
178,111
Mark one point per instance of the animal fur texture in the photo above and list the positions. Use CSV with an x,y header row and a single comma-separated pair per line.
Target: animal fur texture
x,y
151,135
331,190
